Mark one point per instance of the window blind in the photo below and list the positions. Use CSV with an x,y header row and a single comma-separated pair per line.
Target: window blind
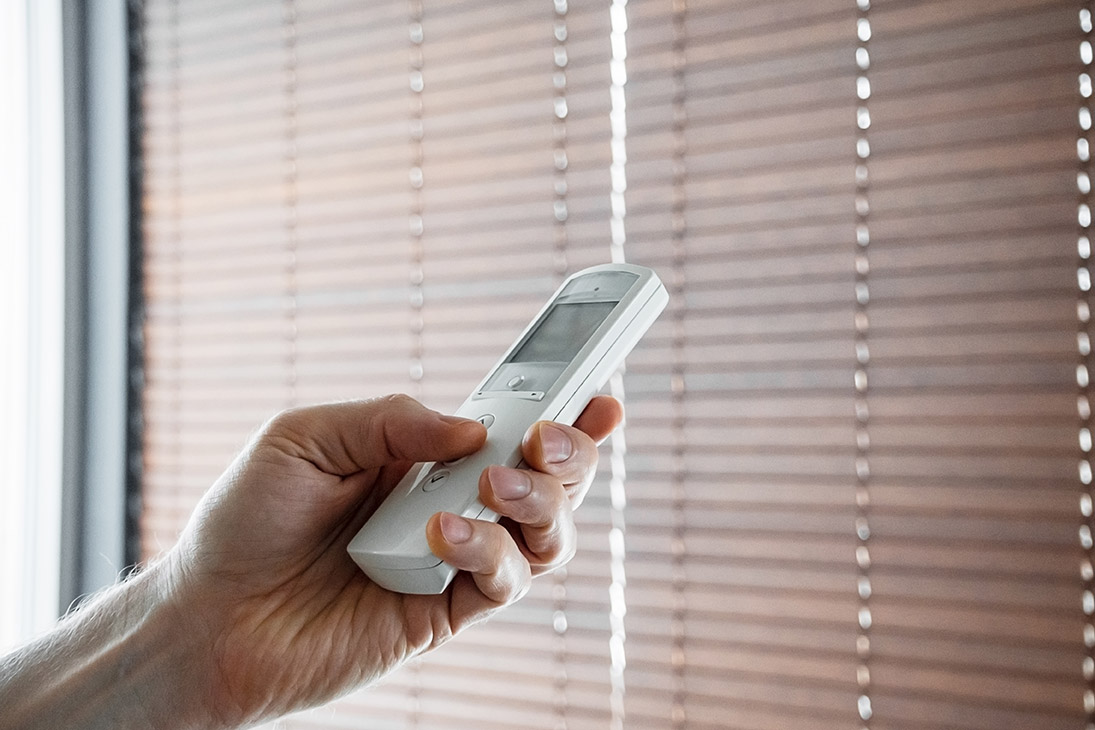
x,y
361,199
854,486
870,429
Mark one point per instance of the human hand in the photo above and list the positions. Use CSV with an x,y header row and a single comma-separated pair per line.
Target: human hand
x,y
262,582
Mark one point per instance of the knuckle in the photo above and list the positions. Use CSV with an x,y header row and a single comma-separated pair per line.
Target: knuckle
x,y
284,426
557,560
395,400
283,420
554,545
517,578
563,553
498,537
520,574
566,555
523,588
509,577
547,502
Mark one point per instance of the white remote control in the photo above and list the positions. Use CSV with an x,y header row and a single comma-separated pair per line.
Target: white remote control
x,y
551,372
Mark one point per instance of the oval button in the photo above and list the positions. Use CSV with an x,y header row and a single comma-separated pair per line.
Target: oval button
x,y
435,480
515,382
487,419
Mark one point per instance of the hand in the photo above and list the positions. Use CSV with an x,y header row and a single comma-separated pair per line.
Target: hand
x,y
261,578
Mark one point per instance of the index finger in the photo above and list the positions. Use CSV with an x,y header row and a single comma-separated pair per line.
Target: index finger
x,y
600,418
568,453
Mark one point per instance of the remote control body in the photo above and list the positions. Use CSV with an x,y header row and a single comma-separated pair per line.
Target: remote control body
x,y
560,361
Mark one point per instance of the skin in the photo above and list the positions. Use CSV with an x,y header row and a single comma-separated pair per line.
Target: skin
x,y
258,610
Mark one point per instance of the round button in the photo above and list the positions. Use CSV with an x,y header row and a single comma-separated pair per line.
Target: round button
x,y
486,419
435,480
515,382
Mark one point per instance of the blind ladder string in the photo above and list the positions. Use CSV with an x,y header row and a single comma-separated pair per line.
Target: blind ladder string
x,y
617,492
862,362
291,198
415,223
678,238
1083,367
560,239
416,274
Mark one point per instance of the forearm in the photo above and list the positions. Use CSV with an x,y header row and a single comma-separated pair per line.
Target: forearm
x,y
124,660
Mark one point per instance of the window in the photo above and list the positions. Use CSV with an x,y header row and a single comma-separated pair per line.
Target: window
x,y
854,486
32,300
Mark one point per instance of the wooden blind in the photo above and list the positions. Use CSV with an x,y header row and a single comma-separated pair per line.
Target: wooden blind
x,y
854,489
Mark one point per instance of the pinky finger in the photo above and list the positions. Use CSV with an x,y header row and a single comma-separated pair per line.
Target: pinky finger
x,y
486,551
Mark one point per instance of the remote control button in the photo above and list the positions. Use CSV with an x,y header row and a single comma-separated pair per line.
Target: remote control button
x,y
435,480
487,419
515,382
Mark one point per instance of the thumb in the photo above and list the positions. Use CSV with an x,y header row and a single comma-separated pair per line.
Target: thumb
x,y
344,438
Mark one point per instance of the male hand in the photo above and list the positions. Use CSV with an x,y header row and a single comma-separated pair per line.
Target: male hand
x,y
261,578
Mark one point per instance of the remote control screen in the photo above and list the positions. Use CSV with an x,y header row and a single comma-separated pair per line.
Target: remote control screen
x,y
563,331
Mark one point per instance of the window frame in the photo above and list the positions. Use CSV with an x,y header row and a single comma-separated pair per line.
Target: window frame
x,y
101,310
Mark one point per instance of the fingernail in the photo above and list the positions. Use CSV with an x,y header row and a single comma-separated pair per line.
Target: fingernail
x,y
509,483
454,420
555,443
455,529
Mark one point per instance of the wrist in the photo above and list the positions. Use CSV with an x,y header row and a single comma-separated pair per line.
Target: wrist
x,y
164,658
126,659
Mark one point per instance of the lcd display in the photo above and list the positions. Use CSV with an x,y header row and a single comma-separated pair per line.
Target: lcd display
x,y
562,332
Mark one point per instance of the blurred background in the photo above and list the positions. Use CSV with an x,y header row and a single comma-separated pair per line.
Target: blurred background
x,y
854,485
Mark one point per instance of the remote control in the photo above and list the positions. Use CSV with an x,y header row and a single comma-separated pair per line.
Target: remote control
x,y
560,361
